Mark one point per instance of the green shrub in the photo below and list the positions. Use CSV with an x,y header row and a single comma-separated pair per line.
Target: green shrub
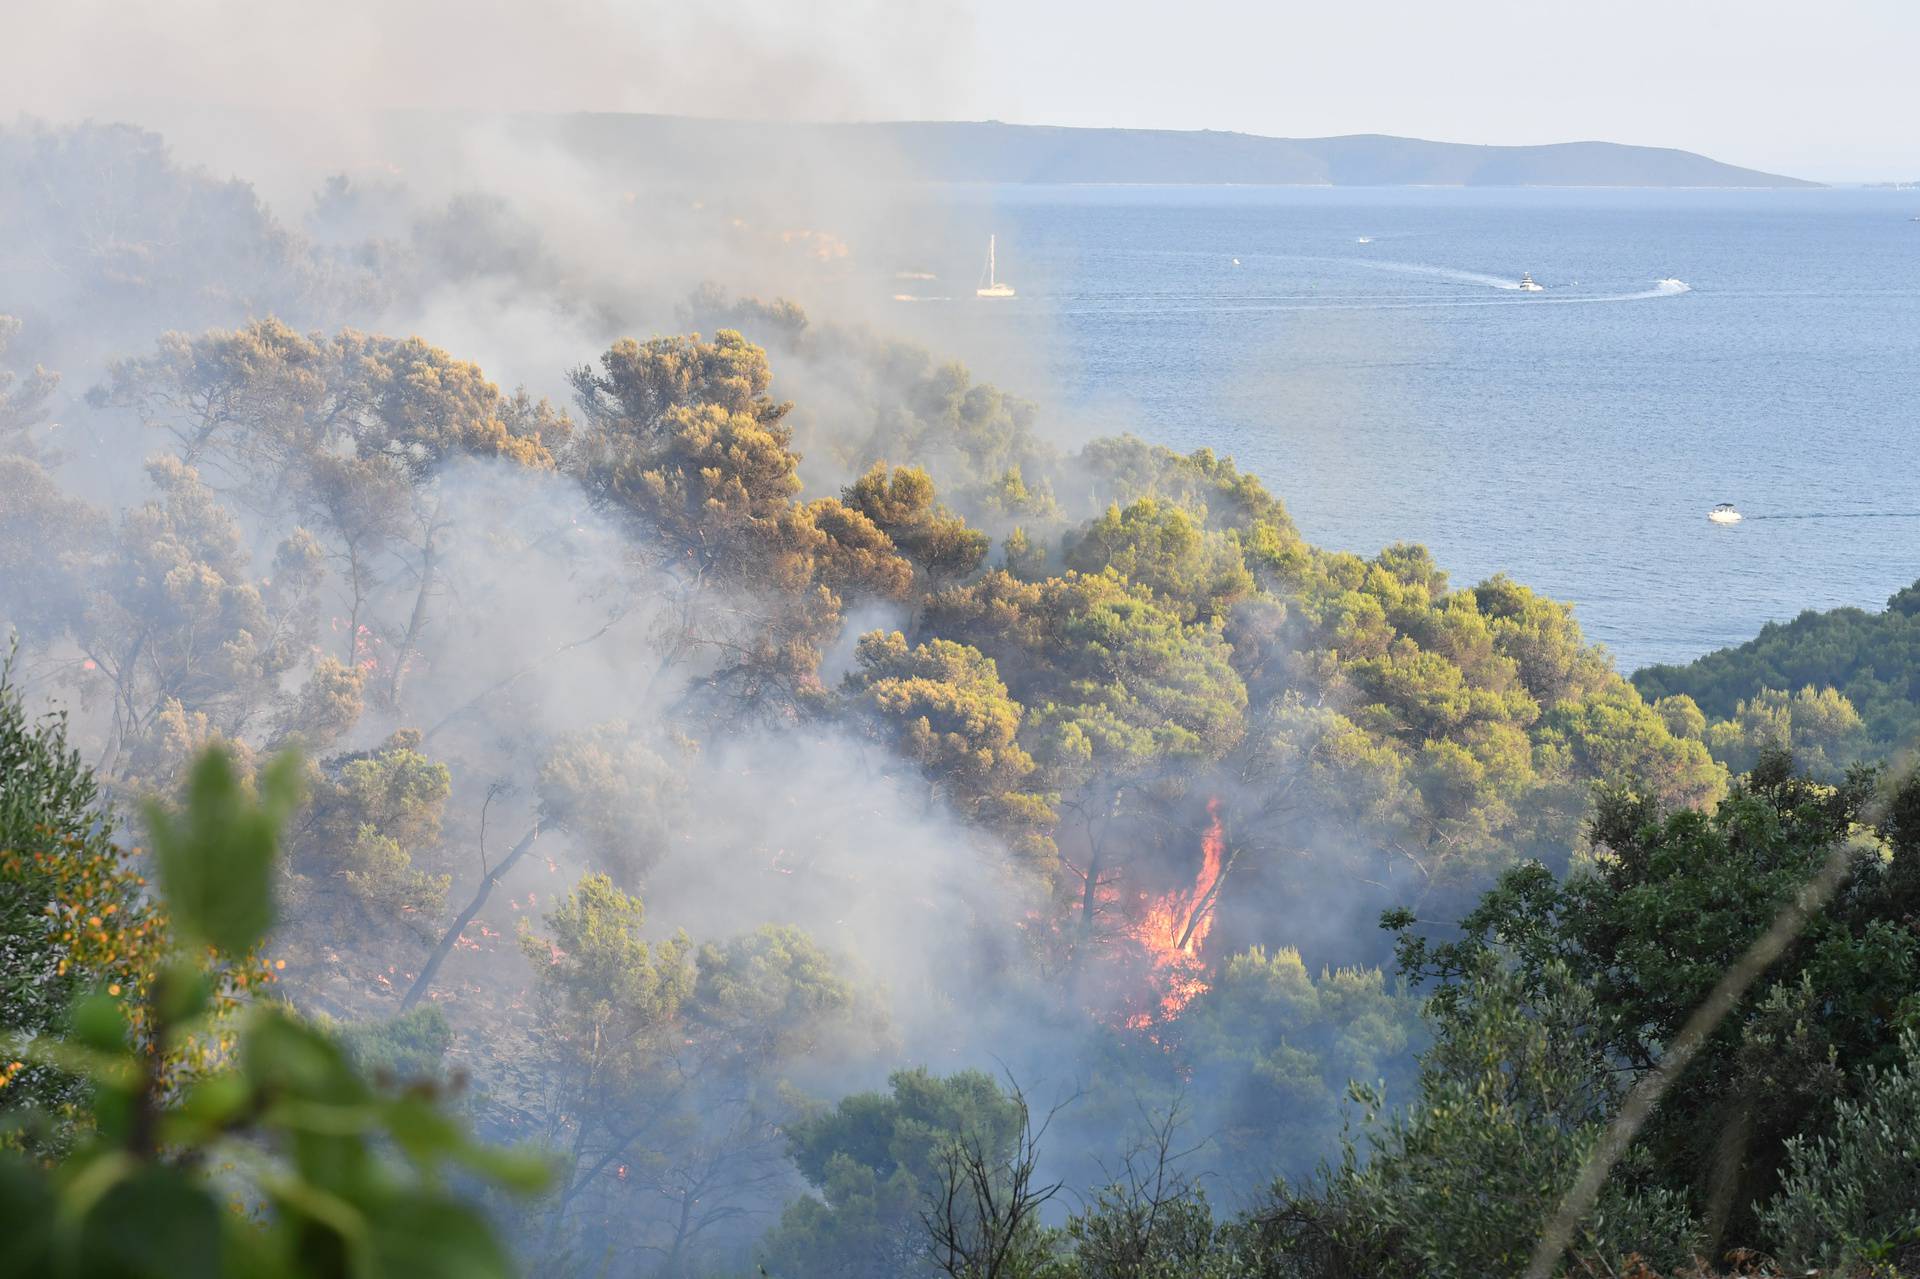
x,y
1514,1095
1852,1195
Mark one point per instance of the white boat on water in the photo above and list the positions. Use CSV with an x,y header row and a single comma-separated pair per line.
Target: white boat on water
x,y
1725,513
993,289
1527,284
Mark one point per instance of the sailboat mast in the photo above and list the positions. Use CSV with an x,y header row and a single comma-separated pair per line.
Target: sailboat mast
x,y
993,288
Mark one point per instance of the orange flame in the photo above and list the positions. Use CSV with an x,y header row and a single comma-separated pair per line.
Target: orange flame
x,y
1176,925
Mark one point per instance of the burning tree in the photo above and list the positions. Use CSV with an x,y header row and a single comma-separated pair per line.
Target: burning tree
x,y
1176,925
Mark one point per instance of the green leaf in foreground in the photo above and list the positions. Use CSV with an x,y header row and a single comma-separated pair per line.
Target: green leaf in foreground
x,y
216,857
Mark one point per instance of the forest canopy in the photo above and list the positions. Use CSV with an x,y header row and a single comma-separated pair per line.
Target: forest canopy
x,y
762,772
1791,672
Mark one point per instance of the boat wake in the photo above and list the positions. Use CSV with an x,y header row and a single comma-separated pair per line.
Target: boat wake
x,y
1842,515
1262,303
1437,272
1661,288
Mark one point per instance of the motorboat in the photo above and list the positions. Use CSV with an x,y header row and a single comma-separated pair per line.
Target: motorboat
x,y
1725,513
1527,284
993,288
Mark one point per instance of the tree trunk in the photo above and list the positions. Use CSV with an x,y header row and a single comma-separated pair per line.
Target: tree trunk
x,y
357,580
452,935
1090,892
419,617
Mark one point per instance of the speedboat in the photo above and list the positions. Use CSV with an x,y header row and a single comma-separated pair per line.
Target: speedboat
x,y
1725,513
1527,284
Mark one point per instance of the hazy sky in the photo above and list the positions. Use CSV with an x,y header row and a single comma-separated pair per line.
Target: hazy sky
x,y
1819,88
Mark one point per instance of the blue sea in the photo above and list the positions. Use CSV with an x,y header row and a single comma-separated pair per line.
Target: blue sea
x,y
1365,351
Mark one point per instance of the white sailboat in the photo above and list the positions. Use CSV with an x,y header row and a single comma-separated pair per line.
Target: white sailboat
x,y
993,289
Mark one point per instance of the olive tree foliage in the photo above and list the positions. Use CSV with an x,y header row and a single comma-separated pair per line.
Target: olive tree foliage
x,y
1670,904
1513,1095
1850,1195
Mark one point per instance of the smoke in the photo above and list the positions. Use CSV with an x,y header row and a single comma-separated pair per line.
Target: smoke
x,y
288,87
433,110
544,626
408,169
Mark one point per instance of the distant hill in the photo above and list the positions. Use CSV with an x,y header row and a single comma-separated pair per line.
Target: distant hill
x,y
994,152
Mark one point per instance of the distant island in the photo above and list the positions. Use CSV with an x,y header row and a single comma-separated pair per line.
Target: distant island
x,y
990,151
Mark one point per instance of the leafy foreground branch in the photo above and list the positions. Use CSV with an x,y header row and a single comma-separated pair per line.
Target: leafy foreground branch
x,y
277,1159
